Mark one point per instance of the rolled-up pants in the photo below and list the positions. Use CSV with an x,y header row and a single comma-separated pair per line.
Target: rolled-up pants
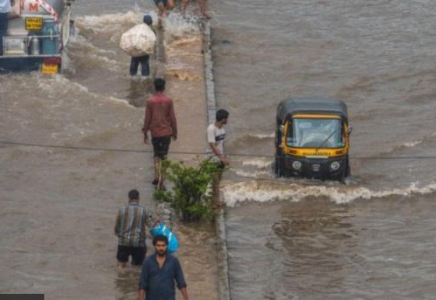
x,y
145,67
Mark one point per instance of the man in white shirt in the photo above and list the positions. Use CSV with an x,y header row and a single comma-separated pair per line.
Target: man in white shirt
x,y
215,137
5,8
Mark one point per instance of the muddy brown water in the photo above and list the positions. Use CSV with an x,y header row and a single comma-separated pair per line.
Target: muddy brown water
x,y
288,239
58,205
298,239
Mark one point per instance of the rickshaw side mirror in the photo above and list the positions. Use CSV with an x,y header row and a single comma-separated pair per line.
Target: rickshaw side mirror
x,y
350,130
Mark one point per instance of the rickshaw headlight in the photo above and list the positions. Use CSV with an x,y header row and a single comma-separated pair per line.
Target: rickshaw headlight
x,y
335,166
296,165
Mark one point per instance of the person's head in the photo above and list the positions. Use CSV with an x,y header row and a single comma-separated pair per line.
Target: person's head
x,y
159,84
160,243
148,20
133,195
221,116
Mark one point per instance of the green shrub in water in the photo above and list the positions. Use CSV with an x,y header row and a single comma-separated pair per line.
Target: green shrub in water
x,y
191,195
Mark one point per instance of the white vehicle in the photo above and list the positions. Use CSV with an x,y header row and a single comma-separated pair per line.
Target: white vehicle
x,y
38,31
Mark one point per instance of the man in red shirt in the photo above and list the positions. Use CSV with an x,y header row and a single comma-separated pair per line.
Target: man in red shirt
x,y
160,119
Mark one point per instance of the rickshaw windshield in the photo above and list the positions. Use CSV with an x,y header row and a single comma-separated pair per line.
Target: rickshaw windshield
x,y
315,133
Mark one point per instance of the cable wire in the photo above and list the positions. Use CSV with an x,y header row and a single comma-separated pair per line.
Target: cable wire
x,y
81,148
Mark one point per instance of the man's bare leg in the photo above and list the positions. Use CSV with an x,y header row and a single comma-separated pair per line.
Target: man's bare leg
x,y
216,189
202,4
184,5
156,168
170,4
161,8
121,264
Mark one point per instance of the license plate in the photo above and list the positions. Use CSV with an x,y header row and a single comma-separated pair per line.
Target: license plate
x,y
49,69
316,167
33,23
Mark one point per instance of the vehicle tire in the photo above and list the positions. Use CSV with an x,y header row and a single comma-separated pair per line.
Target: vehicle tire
x,y
347,168
343,173
278,168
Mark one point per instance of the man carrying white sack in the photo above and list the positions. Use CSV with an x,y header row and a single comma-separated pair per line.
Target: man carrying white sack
x,y
139,42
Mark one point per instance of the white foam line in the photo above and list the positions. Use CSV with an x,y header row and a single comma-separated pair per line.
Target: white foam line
x,y
254,191
256,174
262,136
260,164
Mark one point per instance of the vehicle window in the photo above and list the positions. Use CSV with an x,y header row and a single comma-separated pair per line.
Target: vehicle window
x,y
315,133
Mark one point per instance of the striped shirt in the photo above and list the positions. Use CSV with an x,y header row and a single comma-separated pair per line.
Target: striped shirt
x,y
130,225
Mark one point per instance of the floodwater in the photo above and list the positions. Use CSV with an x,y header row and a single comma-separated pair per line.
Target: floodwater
x,y
374,237
288,239
58,205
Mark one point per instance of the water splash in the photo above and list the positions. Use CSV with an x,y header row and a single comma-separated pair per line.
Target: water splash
x,y
274,191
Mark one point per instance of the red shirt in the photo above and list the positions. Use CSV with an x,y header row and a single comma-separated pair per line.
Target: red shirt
x,y
159,116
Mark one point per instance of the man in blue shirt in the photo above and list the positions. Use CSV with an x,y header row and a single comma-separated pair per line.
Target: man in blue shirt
x,y
159,272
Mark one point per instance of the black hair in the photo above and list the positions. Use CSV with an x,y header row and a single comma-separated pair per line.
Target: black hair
x,y
159,84
222,114
134,194
160,238
148,20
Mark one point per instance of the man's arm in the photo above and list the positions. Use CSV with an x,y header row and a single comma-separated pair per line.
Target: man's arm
x,y
141,294
215,150
184,293
180,279
173,120
143,281
147,121
117,224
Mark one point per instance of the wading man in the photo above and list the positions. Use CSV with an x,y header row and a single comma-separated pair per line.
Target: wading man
x,y
160,120
159,272
130,229
216,134
141,60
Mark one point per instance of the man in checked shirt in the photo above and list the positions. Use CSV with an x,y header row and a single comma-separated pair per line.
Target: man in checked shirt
x,y
130,229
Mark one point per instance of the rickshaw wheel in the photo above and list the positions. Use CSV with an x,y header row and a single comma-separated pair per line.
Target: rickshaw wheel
x,y
348,169
277,168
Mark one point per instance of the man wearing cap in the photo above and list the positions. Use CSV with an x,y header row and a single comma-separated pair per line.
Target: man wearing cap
x,y
143,60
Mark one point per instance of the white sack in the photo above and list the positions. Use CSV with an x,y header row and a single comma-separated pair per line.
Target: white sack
x,y
138,41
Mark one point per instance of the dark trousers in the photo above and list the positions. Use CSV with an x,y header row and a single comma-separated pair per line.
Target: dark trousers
x,y
145,67
3,29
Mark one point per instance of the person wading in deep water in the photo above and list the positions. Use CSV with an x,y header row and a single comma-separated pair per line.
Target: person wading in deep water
x,y
216,134
159,272
143,60
130,229
160,119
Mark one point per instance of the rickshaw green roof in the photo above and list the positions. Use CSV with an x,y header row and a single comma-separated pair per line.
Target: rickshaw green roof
x,y
311,105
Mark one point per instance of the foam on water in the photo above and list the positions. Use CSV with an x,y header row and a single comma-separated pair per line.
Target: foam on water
x,y
273,191
258,163
262,136
58,84
255,174
178,26
102,22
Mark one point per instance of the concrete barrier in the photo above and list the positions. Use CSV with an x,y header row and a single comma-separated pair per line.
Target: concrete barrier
x,y
222,258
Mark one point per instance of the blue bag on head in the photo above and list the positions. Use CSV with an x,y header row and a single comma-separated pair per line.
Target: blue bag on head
x,y
162,229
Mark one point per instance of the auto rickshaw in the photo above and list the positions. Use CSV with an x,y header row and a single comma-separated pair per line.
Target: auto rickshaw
x,y
312,139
